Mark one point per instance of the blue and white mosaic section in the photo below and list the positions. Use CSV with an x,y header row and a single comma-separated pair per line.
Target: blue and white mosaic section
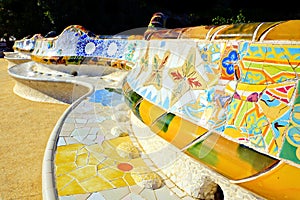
x,y
65,44
89,47
106,98
114,48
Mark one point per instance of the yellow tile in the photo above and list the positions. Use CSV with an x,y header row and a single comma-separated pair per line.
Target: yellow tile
x,y
242,31
109,162
100,166
127,150
110,146
250,87
99,157
149,113
71,189
62,181
282,180
128,179
65,168
93,160
67,153
274,112
119,183
198,32
71,147
65,157
111,173
180,132
116,141
138,162
110,150
263,28
287,30
83,150
234,132
84,172
96,148
82,159
95,184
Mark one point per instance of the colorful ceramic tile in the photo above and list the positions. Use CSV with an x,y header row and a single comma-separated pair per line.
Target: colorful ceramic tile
x,y
186,78
265,64
176,130
156,75
236,162
229,62
84,169
149,112
207,63
280,179
290,148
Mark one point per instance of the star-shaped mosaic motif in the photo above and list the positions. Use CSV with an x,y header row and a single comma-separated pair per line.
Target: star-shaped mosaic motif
x,y
144,62
156,75
186,77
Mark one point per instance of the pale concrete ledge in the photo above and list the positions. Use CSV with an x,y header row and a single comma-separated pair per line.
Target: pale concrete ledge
x,y
48,176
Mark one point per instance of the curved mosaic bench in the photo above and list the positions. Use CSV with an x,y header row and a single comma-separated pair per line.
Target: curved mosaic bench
x,y
22,50
26,45
78,46
227,96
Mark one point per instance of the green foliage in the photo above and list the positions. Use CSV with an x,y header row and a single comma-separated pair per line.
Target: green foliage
x,y
21,18
239,18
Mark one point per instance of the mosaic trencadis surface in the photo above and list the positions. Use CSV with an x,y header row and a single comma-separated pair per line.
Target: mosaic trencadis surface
x,y
227,96
26,45
229,100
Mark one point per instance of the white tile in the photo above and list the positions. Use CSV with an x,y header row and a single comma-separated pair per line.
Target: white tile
x,y
96,196
148,194
61,141
117,193
135,189
166,193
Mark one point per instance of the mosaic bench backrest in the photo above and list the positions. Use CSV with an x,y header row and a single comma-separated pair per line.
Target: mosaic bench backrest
x,y
236,81
76,45
26,45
